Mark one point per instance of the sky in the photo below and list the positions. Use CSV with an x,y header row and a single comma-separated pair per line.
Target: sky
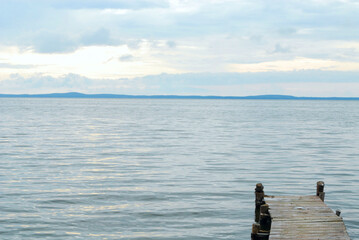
x,y
184,47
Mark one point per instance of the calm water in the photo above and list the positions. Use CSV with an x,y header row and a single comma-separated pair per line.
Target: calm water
x,y
168,169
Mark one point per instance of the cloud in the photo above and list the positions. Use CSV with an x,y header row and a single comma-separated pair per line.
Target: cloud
x,y
280,49
50,42
99,37
287,31
299,83
39,83
126,58
171,44
174,19
14,66
103,39
296,64
108,4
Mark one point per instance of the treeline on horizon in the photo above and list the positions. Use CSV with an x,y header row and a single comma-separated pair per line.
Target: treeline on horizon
x,y
82,95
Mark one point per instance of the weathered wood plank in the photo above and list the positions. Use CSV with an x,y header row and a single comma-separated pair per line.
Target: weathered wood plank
x,y
303,217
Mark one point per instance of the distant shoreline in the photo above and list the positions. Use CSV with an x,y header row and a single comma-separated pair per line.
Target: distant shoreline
x,y
124,96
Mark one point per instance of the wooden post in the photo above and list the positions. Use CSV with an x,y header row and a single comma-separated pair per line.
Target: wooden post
x,y
260,236
265,219
256,234
338,212
295,217
255,231
320,190
259,200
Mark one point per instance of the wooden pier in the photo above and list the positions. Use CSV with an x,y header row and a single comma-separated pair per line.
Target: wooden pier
x,y
296,217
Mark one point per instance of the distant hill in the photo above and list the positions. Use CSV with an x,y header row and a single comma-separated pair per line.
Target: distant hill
x,y
82,95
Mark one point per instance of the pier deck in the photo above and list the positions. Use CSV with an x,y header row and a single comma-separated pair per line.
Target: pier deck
x,y
296,217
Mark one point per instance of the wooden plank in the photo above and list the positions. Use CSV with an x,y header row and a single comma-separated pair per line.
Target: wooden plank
x,y
303,217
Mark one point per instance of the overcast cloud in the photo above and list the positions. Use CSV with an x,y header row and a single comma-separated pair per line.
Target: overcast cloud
x,y
104,41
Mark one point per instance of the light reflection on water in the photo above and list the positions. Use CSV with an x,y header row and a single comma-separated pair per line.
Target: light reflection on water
x,y
167,169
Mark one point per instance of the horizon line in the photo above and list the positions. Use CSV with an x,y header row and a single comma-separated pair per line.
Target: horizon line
x,y
170,96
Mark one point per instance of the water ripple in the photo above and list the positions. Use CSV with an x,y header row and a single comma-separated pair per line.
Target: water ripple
x,y
167,169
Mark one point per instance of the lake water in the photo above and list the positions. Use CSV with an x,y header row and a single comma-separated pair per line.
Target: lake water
x,y
168,169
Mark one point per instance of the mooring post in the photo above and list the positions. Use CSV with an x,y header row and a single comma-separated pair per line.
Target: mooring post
x,y
259,200
320,190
